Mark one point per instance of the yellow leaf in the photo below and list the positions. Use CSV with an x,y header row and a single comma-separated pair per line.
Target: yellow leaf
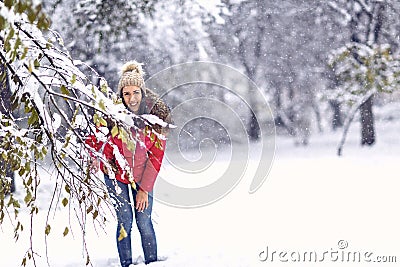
x,y
64,90
30,68
95,214
73,78
103,122
102,105
47,230
114,131
66,231
67,189
65,202
122,233
133,184
89,209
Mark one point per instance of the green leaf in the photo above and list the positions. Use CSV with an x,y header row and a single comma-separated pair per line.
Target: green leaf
x,y
66,231
43,22
31,16
16,204
20,7
44,150
21,171
17,43
33,119
47,230
64,90
2,23
73,78
29,182
8,38
28,197
26,49
8,3
28,169
36,63
18,226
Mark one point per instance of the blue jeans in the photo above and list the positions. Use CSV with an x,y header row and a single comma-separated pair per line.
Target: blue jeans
x,y
123,209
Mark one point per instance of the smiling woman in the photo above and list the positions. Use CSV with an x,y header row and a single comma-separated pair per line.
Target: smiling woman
x,y
136,173
132,97
131,87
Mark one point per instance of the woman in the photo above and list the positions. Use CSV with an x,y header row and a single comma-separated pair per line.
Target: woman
x,y
144,161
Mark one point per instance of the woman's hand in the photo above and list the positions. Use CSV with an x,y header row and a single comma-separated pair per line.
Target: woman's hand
x,y
142,200
94,165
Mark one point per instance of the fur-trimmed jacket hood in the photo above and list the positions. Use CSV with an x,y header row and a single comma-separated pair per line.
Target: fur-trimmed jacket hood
x,y
156,106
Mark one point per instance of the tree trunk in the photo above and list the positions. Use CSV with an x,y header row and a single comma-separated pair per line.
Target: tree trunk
x,y
337,120
254,127
367,123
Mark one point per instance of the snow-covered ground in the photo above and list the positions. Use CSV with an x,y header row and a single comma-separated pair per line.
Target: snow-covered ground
x,y
312,203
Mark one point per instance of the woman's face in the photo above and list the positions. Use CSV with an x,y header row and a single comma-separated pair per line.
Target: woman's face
x,y
132,96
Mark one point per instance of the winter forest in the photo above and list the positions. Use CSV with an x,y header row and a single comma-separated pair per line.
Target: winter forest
x,y
268,95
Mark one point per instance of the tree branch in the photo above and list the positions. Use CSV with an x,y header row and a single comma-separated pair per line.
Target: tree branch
x,y
341,11
349,119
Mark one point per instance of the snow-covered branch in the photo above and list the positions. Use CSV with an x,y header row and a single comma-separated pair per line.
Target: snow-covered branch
x,y
342,11
367,8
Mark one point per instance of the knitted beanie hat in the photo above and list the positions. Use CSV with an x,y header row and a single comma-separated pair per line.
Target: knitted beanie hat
x,y
132,74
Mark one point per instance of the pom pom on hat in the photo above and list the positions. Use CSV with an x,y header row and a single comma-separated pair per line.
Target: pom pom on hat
x,y
132,74
133,66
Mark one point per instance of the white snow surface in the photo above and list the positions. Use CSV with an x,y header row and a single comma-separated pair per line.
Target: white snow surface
x,y
311,200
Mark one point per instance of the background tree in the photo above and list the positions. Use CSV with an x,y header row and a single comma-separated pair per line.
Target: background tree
x,y
369,25
281,47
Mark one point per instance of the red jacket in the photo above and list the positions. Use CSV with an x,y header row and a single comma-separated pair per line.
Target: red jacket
x,y
147,157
